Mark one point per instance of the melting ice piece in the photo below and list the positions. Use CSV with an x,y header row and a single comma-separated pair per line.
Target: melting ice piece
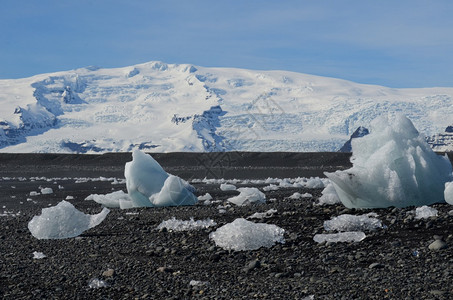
x,y
353,223
392,166
263,215
245,235
63,221
227,187
97,283
352,236
149,185
38,255
247,196
329,196
110,200
425,212
174,224
448,193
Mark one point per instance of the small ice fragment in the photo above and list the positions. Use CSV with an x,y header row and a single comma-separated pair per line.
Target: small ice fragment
x,y
247,196
97,283
69,197
227,187
34,193
174,224
266,214
425,212
245,235
329,196
351,236
205,197
46,191
198,283
38,255
298,195
111,200
63,221
271,187
353,223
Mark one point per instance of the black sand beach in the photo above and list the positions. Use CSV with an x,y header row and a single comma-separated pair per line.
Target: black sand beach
x,y
137,261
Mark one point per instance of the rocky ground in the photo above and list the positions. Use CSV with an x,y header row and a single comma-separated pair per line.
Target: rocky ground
x,y
137,261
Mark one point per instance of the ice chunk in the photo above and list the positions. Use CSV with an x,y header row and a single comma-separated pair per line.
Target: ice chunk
x,y
298,195
227,187
247,196
425,212
354,236
329,196
63,221
97,283
271,187
448,193
205,197
144,178
174,224
266,214
353,223
38,255
46,191
149,185
110,200
392,166
245,235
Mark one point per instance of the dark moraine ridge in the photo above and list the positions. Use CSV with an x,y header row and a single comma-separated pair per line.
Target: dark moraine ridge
x,y
188,165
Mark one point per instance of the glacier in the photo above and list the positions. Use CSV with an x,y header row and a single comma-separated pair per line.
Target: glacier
x,y
159,107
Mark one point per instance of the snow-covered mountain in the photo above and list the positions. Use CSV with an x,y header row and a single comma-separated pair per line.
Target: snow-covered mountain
x,y
162,107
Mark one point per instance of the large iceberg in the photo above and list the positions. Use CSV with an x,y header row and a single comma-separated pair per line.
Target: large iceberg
x,y
63,221
245,235
392,166
149,185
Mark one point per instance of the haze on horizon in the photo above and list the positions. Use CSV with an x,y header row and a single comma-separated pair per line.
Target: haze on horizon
x,y
392,43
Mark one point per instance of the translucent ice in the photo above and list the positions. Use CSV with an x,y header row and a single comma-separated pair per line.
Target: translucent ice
x,y
353,223
448,193
227,187
149,185
354,236
425,212
392,166
329,196
174,224
247,196
38,255
245,235
110,200
63,221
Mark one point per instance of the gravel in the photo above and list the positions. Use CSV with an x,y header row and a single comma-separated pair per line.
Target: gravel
x,y
126,257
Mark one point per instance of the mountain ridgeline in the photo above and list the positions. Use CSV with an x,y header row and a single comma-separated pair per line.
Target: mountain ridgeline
x,y
160,107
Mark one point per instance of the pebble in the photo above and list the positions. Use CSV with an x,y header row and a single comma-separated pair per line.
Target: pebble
x,y
437,245
376,266
108,273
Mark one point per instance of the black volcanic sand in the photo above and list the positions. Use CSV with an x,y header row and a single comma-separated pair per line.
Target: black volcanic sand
x,y
145,263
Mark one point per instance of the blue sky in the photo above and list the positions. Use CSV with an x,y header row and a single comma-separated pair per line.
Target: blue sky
x,y
404,43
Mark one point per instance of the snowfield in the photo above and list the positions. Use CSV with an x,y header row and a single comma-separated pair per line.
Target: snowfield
x,y
161,107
